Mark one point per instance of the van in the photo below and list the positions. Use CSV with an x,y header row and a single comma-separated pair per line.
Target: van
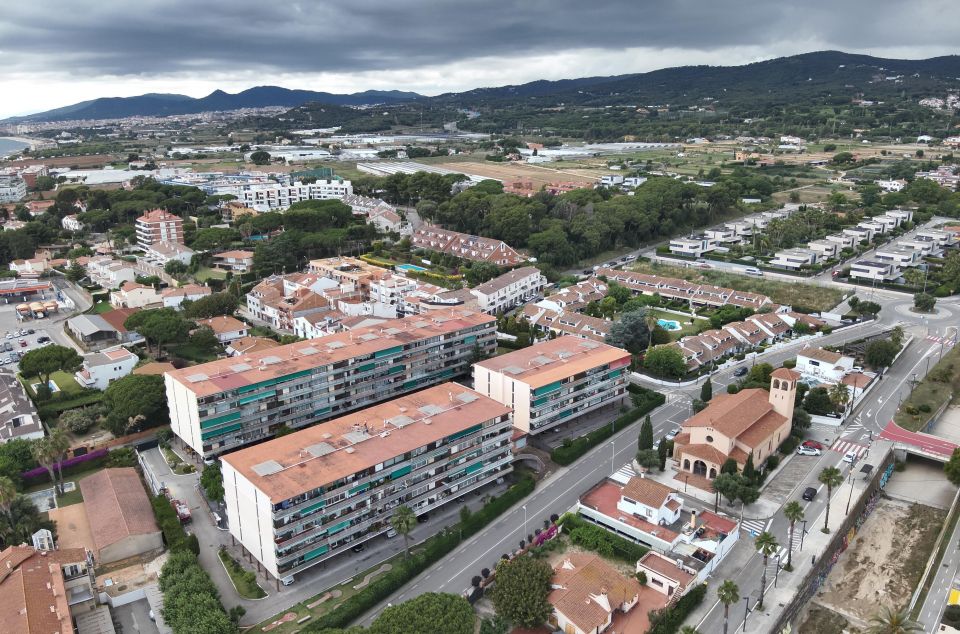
x,y
287,581
752,270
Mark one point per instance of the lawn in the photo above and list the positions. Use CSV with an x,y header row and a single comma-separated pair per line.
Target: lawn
x,y
245,581
931,393
808,296
205,273
101,307
71,497
66,382
193,353
698,325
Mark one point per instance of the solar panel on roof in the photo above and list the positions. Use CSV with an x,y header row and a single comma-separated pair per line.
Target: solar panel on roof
x,y
400,421
270,360
590,345
542,359
369,336
466,397
392,331
334,345
356,437
267,468
240,367
512,369
320,449
196,378
308,350
431,410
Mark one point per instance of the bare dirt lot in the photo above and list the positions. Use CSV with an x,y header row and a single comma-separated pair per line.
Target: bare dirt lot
x,y
539,176
882,566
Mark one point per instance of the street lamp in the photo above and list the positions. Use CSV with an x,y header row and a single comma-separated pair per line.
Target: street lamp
x,y
613,456
802,533
524,536
777,574
746,612
850,480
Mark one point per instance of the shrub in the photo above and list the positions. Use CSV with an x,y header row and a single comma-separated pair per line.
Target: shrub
x,y
925,408
789,445
669,621
86,461
79,421
600,540
169,523
773,462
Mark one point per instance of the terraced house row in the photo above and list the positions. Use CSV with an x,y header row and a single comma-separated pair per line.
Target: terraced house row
x,y
675,288
225,404
300,499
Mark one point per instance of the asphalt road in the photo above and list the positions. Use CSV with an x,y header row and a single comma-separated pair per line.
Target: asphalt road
x,y
936,601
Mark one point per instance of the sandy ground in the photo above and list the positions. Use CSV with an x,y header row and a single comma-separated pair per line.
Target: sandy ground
x,y
517,171
885,561
73,529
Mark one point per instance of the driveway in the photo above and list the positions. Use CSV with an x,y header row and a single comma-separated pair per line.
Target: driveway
x,y
134,618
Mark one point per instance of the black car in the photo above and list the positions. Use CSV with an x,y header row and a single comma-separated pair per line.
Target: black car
x,y
357,549
43,339
740,372
423,518
30,331
809,493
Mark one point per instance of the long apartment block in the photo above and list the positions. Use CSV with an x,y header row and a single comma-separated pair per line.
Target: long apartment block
x,y
225,404
302,498
554,382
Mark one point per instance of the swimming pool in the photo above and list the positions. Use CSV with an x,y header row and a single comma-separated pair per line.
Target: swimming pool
x,y
669,324
409,267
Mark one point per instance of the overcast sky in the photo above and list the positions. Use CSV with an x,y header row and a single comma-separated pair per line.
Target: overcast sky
x,y
57,52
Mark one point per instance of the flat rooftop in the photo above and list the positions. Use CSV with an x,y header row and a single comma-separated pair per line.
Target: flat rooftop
x,y
228,374
554,360
304,460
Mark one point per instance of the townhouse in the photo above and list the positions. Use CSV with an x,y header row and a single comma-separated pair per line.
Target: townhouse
x,y
860,234
298,500
794,259
710,346
560,321
843,240
174,297
695,294
555,381
825,249
466,246
225,404
693,246
942,239
874,270
902,257
510,289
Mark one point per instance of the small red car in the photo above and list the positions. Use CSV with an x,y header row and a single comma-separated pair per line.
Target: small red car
x,y
812,444
23,343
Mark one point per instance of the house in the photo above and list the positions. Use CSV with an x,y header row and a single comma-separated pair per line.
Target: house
x,y
38,589
943,239
770,323
874,270
71,223
100,369
110,273
547,318
794,259
388,221
466,246
723,236
237,262
876,228
891,185
135,295
589,596
825,249
174,297
226,328
923,248
510,289
904,215
92,330
120,515
826,366
250,345
843,240
158,225
666,575
693,246
709,346
674,288
18,414
29,268
117,319
318,325
162,253
889,223
280,300
751,423
859,234
900,256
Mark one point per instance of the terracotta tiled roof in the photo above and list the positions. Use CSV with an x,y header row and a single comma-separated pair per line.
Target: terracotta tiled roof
x,y
662,566
819,354
33,598
733,414
117,506
705,452
760,431
587,583
647,491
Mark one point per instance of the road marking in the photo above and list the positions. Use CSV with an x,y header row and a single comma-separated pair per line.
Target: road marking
x,y
844,446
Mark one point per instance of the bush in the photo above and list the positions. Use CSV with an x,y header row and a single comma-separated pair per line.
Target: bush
x,y
789,445
79,421
773,462
169,523
71,465
190,599
645,400
600,540
669,621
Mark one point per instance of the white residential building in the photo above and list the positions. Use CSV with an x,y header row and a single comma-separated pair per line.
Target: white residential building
x,y
609,180
905,215
29,268
71,223
692,246
891,185
110,273
943,239
902,257
174,297
723,236
875,227
794,259
875,271
238,262
273,196
510,289
12,189
843,240
924,248
889,223
827,366
18,414
100,369
134,295
160,253
825,249
860,234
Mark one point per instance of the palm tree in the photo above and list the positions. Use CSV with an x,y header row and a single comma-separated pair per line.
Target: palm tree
x,y
8,493
59,444
403,521
839,396
794,513
729,593
689,629
44,454
890,621
651,321
831,477
766,544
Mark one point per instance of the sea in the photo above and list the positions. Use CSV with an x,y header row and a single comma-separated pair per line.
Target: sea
x,y
11,146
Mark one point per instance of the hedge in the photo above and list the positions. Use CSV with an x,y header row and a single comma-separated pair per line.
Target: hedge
x,y
70,465
49,410
169,524
434,549
600,540
645,400
669,621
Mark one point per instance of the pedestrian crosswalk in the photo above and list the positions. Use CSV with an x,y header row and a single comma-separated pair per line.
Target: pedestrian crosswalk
x,y
754,527
842,446
851,429
782,551
624,474
945,340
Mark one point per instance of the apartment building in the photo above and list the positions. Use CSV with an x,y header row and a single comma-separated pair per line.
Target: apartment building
x,y
692,246
276,196
303,498
158,225
225,404
555,381
510,289
874,270
794,259
12,189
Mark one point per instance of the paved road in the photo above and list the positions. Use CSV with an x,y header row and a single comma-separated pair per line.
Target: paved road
x,y
936,601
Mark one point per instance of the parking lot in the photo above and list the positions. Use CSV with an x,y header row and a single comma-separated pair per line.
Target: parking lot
x,y
20,335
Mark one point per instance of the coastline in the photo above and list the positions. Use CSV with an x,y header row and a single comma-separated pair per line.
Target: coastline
x,y
22,139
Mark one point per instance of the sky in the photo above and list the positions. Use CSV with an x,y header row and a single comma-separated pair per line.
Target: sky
x,y
57,52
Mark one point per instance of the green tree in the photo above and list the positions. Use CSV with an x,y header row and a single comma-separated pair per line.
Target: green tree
x,y
213,305
727,485
766,544
631,332
648,458
880,354
645,440
160,326
794,513
924,302
133,402
78,421
431,612
663,452
868,309
729,594
260,157
42,362
175,268
403,521
839,397
749,472
191,604
890,621
8,493
20,520
952,468
730,466
46,456
520,593
665,362
818,402
76,272
706,391
212,481
831,478
59,445
203,338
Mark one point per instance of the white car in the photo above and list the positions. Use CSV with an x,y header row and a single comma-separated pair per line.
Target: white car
x,y
807,451
673,433
850,456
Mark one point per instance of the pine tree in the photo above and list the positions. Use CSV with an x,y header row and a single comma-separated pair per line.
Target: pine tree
x,y
662,453
706,391
749,471
646,435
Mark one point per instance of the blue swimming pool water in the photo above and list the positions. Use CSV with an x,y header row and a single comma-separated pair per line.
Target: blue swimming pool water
x,y
409,267
669,324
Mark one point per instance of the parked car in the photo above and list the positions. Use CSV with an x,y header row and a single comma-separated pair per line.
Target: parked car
x,y
357,548
809,493
740,372
423,518
673,433
850,456
807,451
23,343
8,346
391,533
812,444
287,581
30,331
43,339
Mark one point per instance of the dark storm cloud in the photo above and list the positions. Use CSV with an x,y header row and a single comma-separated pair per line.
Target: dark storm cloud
x,y
195,37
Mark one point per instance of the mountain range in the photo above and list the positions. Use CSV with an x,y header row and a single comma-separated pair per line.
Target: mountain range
x,y
776,80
